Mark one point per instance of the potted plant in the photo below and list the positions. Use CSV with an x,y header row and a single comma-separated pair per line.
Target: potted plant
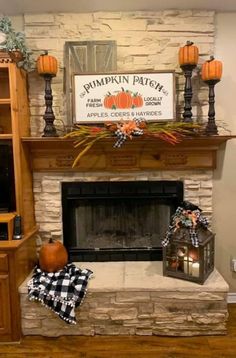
x,y
13,43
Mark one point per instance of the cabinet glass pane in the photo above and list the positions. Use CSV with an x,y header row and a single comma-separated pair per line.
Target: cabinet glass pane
x,y
5,119
4,80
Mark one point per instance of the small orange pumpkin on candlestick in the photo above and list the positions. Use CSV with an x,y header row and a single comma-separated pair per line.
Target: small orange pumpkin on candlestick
x,y
212,70
47,68
188,58
188,54
47,65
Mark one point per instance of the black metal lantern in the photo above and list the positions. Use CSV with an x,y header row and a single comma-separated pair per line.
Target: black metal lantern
x,y
181,259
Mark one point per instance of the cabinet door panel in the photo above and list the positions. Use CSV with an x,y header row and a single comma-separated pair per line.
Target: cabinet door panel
x,y
5,313
3,263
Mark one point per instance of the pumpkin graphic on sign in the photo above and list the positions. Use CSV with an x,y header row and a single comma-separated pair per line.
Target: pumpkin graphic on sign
x,y
124,99
137,100
110,101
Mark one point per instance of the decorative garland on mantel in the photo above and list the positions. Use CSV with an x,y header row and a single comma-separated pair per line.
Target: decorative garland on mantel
x,y
86,136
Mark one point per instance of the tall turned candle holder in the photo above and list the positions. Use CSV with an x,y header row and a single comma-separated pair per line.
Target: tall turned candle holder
x,y
188,59
211,74
211,127
47,68
188,93
49,129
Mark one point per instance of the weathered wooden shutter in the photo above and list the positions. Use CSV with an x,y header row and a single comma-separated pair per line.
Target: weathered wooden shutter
x,y
86,57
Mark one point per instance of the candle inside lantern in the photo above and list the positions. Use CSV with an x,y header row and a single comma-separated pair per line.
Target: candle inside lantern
x,y
188,262
195,269
188,55
212,70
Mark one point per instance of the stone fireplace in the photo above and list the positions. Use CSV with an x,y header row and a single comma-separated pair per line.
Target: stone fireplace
x,y
125,297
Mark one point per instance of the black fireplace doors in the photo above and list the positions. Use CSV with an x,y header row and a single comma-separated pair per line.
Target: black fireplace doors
x,y
117,221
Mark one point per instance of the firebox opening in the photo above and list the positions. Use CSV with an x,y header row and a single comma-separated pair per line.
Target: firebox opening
x,y
118,221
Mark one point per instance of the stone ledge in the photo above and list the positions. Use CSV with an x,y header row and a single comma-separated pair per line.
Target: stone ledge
x,y
128,298
142,276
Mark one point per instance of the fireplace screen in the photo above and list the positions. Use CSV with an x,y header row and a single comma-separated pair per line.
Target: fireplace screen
x,y
113,221
120,223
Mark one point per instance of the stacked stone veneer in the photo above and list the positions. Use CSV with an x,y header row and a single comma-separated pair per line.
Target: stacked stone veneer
x,y
171,307
145,41
47,192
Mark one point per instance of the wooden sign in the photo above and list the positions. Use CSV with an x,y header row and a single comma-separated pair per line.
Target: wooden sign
x,y
100,98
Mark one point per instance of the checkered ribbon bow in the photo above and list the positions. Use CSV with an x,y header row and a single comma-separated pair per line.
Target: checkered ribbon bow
x,y
188,219
122,133
61,291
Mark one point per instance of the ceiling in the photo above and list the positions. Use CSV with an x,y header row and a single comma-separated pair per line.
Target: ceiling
x,y
16,7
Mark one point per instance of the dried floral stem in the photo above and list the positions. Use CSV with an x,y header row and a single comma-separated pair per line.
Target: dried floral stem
x,y
86,136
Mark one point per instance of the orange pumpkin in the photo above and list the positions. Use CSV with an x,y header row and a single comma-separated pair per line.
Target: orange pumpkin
x,y
188,55
137,101
52,256
211,70
124,99
110,101
47,65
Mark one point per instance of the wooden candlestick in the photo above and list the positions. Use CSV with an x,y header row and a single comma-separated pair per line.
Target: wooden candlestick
x,y
187,114
211,74
211,127
49,129
188,58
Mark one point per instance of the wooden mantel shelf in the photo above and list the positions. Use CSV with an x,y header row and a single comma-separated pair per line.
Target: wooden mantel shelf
x,y
57,154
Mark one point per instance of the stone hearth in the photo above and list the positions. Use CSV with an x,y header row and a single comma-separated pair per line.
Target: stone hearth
x,y
133,298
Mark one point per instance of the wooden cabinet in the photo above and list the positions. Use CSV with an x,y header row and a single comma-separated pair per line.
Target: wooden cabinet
x,y
17,257
15,124
5,313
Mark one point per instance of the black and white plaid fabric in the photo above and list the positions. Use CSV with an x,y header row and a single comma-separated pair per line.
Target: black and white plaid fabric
x,y
180,216
61,291
193,237
121,138
200,218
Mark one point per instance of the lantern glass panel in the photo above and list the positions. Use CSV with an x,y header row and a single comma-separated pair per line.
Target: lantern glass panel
x,y
208,257
182,260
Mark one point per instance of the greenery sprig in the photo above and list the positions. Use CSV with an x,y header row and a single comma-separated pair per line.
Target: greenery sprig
x,y
15,41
